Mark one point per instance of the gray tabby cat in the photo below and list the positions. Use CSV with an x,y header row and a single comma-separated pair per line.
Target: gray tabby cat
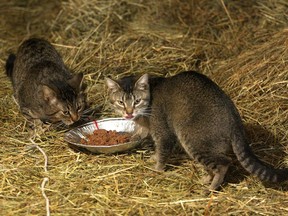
x,y
44,88
192,110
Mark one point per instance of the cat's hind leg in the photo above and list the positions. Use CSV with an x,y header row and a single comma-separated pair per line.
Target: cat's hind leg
x,y
215,178
219,174
215,164
209,152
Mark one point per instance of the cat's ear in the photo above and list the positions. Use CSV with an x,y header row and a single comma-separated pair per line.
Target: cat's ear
x,y
142,83
112,85
49,94
76,81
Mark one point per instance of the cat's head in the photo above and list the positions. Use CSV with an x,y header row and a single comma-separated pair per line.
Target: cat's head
x,y
129,97
64,101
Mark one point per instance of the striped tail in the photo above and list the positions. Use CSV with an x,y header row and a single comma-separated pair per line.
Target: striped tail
x,y
253,165
10,65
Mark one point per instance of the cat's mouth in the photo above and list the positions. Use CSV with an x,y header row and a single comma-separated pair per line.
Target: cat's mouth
x,y
129,116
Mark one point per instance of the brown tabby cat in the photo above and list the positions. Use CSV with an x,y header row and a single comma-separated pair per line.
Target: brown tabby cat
x,y
192,110
44,88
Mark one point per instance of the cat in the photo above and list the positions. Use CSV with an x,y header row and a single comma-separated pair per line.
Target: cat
x,y
44,88
191,110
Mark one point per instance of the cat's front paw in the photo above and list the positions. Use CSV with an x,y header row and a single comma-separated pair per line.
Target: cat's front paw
x,y
160,167
135,137
207,179
36,128
207,192
153,158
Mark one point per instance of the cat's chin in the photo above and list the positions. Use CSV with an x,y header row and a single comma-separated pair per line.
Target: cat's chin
x,y
68,123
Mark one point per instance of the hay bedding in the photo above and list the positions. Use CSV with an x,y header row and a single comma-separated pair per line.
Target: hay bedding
x,y
242,45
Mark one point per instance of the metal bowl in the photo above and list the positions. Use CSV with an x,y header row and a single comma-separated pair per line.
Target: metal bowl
x,y
75,135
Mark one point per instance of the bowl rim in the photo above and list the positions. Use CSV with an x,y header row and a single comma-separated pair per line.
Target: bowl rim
x,y
95,122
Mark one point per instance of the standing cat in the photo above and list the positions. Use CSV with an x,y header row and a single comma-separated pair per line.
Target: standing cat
x,y
44,88
192,110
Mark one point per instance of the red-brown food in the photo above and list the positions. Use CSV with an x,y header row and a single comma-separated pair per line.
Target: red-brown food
x,y
102,137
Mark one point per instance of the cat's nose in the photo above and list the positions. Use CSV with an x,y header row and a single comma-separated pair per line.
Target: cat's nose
x,y
74,117
129,111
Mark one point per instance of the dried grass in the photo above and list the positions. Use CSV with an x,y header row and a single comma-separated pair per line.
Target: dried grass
x,y
242,45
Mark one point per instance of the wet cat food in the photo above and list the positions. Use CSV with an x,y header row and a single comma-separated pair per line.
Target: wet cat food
x,y
102,137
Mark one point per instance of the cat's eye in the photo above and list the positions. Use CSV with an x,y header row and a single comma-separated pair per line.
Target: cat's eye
x,y
120,102
66,113
137,101
79,108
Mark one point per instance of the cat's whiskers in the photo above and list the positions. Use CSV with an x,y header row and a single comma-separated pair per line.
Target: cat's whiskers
x,y
59,125
88,110
87,114
146,113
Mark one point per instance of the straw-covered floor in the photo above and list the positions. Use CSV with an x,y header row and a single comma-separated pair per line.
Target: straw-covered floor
x,y
242,45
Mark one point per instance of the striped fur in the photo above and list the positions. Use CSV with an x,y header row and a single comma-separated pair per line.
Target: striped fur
x,y
191,110
44,89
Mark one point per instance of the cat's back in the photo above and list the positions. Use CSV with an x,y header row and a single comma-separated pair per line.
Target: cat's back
x,y
189,84
37,59
36,50
193,94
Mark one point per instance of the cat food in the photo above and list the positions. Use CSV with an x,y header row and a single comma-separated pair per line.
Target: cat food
x,y
102,137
